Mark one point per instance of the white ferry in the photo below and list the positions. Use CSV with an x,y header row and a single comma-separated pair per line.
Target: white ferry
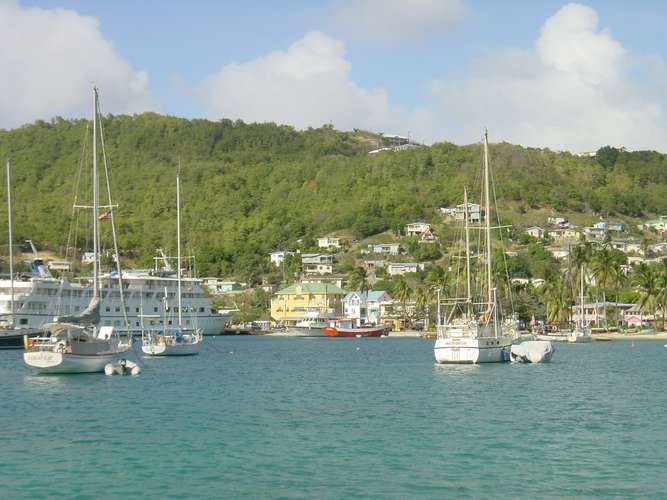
x,y
149,295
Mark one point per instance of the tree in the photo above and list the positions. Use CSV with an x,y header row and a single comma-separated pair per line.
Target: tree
x,y
402,291
557,298
607,273
358,279
647,282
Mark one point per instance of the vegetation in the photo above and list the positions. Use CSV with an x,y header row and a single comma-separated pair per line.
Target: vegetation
x,y
249,189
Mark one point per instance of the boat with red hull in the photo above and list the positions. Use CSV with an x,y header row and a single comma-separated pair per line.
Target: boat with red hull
x,y
362,331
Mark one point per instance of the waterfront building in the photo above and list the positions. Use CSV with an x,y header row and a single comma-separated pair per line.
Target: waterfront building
x,y
301,300
365,308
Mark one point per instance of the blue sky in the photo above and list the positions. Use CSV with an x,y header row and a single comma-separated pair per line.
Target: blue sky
x,y
444,71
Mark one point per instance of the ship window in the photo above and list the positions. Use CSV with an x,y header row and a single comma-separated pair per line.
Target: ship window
x,y
136,309
23,321
108,309
201,309
155,309
136,324
169,322
117,309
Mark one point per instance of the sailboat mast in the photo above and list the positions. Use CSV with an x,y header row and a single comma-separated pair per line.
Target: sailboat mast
x,y
178,244
487,218
11,250
467,231
581,299
95,201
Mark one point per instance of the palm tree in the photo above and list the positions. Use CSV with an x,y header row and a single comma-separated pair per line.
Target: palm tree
x,y
402,292
607,272
662,292
358,279
423,297
557,296
647,281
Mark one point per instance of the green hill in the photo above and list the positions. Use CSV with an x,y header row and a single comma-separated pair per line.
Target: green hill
x,y
252,188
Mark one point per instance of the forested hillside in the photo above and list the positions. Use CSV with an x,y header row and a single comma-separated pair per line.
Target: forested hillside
x,y
252,188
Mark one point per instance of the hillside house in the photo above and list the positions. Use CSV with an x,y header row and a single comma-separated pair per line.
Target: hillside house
x,y
428,237
329,242
474,212
609,226
398,268
565,235
535,232
218,286
659,224
317,263
383,248
561,222
278,257
417,228
558,252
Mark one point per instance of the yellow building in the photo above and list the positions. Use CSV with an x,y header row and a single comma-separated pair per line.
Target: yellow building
x,y
292,304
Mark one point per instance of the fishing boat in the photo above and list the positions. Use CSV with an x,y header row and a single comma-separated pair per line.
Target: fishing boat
x,y
473,330
76,343
176,341
580,333
346,328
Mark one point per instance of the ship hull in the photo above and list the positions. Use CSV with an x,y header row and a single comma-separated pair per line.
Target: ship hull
x,y
13,339
57,362
375,331
472,351
171,350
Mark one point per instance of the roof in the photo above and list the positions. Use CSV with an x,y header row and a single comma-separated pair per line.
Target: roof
x,y
312,288
367,295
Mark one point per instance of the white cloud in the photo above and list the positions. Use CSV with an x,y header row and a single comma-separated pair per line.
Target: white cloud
x,y
306,85
576,90
51,58
397,21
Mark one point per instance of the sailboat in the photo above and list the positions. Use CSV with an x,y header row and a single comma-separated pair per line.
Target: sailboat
x,y
173,341
473,331
580,333
11,335
75,343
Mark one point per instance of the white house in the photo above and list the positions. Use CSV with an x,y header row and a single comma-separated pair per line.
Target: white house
x,y
365,308
417,228
317,263
535,232
329,242
561,222
278,257
384,248
396,268
659,224
559,253
594,312
219,286
372,265
474,212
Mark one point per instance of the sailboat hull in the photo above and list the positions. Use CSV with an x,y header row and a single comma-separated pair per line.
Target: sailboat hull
x,y
472,351
171,350
57,362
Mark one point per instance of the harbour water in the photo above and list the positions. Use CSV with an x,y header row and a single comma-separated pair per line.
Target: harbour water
x,y
266,417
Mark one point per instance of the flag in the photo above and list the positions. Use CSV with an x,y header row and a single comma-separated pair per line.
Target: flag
x,y
105,216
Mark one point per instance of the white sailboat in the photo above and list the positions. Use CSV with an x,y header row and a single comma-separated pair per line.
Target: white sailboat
x,y
173,341
76,344
580,333
473,332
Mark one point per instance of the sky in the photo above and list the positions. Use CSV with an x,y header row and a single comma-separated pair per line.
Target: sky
x,y
568,76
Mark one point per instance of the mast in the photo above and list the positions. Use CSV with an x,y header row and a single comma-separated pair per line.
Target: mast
x,y
11,251
178,243
95,202
581,299
487,217
467,231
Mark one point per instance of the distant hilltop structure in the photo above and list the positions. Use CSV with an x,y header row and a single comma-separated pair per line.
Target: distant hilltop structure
x,y
394,142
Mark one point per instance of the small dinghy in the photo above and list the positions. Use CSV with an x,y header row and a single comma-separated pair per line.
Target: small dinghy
x,y
532,351
123,367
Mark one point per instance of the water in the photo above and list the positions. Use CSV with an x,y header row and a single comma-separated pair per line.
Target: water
x,y
340,418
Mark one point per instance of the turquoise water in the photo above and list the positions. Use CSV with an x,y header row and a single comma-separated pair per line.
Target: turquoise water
x,y
266,417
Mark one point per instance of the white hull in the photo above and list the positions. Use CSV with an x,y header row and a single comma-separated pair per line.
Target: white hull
x,y
57,362
466,350
155,349
579,339
306,331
